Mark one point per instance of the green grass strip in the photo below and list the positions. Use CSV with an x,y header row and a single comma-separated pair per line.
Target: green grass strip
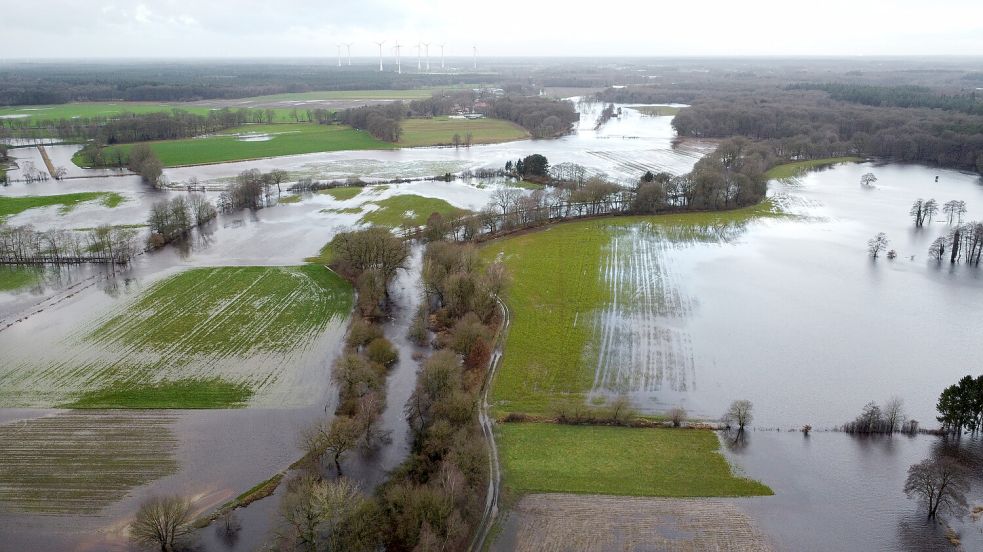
x,y
187,393
618,461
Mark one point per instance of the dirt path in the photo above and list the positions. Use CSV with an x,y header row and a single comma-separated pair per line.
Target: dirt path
x,y
566,522
47,161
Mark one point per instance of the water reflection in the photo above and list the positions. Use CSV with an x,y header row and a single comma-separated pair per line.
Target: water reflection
x,y
835,491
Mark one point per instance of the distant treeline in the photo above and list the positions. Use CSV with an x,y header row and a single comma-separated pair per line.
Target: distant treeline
x,y
34,84
542,117
804,124
898,96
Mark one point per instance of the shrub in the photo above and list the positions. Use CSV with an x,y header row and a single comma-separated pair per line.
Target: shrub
x,y
380,350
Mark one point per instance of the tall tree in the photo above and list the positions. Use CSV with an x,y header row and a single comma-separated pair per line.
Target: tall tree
x,y
940,484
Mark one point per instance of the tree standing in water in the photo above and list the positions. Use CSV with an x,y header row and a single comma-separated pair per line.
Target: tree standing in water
x,y
867,180
739,413
940,484
877,244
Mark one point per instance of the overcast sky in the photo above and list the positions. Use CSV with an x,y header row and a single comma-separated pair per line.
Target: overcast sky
x,y
311,28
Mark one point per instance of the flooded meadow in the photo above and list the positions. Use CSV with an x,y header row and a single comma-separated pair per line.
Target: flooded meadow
x,y
786,310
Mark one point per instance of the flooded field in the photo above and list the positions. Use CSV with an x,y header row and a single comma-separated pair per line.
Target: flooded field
x,y
795,304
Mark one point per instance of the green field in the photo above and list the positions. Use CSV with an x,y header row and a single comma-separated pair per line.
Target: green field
x,y
284,139
440,131
343,193
13,205
558,288
16,277
202,338
618,461
86,110
408,211
798,168
657,110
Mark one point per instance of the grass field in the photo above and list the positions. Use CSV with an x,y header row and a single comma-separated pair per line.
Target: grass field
x,y
440,131
284,139
560,288
343,193
13,205
792,170
657,110
16,277
618,461
85,110
202,338
408,211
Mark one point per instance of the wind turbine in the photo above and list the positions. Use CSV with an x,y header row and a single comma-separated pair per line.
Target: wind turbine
x,y
349,46
419,48
475,49
399,68
339,54
380,54
426,46
442,56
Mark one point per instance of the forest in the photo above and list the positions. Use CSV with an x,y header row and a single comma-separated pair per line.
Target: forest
x,y
902,123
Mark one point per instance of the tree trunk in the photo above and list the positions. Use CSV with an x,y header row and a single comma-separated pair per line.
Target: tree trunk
x,y
337,464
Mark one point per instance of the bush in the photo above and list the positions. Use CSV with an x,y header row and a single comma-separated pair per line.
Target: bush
x,y
362,332
677,415
380,350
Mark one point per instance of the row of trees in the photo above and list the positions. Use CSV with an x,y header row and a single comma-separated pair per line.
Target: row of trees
x,y
963,242
923,211
104,244
889,418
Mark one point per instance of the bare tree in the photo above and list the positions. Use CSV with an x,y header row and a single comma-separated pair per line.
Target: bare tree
x,y
868,179
677,415
739,413
937,249
877,244
506,198
161,521
343,436
939,484
893,414
955,210
931,208
315,513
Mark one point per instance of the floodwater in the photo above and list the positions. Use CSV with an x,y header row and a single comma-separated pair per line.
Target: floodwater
x,y
834,491
204,459
791,313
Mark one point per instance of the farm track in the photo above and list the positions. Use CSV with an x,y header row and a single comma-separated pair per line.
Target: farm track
x,y
78,462
586,523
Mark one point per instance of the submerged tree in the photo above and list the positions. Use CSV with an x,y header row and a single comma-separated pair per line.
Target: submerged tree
x,y
162,521
867,180
739,413
940,484
877,244
955,210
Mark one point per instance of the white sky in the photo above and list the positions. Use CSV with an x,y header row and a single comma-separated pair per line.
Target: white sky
x,y
311,28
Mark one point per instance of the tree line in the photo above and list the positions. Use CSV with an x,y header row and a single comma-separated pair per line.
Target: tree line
x,y
57,83
802,124
104,244
970,102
